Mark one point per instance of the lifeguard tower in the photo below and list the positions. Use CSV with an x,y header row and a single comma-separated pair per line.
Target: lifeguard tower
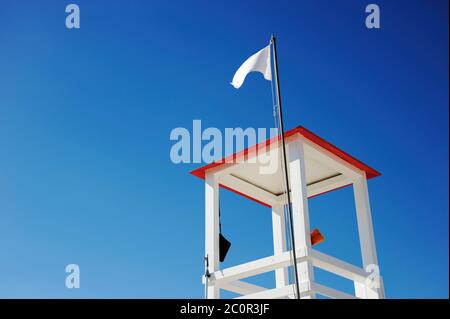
x,y
315,167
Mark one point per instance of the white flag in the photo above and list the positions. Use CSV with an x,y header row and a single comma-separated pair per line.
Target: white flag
x,y
259,62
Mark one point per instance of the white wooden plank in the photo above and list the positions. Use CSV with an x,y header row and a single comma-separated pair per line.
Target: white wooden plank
x,y
366,234
331,160
212,230
322,187
249,189
327,185
255,267
331,292
300,213
336,266
277,293
279,243
242,287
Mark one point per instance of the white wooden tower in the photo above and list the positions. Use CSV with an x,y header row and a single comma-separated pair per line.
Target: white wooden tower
x,y
315,167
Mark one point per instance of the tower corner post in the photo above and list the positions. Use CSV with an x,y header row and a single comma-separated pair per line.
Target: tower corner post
x,y
212,231
300,212
367,241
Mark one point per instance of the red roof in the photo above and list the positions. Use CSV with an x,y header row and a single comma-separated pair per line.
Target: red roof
x,y
370,172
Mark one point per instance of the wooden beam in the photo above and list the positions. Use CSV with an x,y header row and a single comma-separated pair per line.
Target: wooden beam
x,y
279,243
212,230
277,293
322,186
249,189
331,160
338,267
328,185
242,287
300,212
366,238
255,267
331,292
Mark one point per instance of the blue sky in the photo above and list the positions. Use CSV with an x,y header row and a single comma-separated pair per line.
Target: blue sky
x,y
85,118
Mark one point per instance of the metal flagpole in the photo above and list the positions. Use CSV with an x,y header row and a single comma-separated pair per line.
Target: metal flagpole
x,y
286,174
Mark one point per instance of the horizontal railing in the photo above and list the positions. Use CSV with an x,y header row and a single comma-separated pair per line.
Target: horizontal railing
x,y
231,278
254,268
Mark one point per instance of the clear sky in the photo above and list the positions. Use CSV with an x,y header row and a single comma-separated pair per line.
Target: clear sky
x,y
85,118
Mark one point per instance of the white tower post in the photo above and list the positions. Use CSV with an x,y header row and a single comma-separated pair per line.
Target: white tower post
x,y
300,212
212,230
279,243
367,241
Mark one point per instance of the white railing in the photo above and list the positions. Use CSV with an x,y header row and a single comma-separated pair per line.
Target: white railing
x,y
231,278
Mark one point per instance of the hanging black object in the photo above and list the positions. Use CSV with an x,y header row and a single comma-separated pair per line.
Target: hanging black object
x,y
224,246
